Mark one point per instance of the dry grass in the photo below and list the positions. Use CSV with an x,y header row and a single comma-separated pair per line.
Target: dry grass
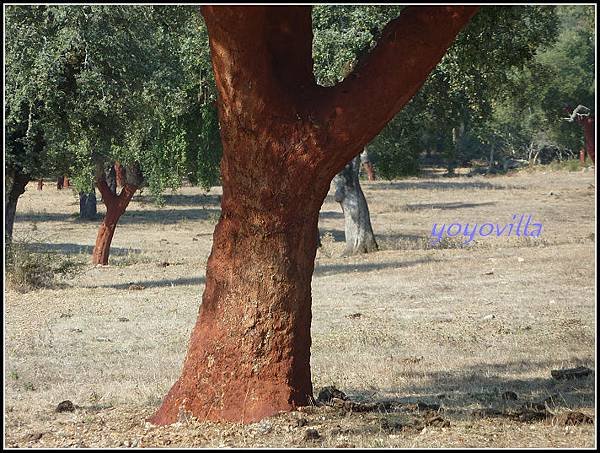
x,y
452,325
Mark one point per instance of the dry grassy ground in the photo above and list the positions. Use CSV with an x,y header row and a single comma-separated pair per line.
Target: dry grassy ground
x,y
456,327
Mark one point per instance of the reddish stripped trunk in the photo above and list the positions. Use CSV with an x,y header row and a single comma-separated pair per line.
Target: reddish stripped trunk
x,y
40,184
589,130
284,138
66,183
115,207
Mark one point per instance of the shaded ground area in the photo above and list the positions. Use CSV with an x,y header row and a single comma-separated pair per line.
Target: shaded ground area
x,y
451,342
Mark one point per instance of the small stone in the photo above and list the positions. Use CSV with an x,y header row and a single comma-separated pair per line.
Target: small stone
x,y
571,373
122,319
65,406
75,330
328,393
520,260
488,317
135,287
34,437
508,395
488,273
311,434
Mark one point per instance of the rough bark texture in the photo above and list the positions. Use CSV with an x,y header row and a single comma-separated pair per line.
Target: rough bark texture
x,y
284,138
349,194
87,205
17,183
40,184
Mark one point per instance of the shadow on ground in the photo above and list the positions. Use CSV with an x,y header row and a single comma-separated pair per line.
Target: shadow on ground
x,y
70,249
483,386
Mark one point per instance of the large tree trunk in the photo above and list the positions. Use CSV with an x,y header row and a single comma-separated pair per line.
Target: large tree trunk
x,y
349,194
87,205
16,187
284,138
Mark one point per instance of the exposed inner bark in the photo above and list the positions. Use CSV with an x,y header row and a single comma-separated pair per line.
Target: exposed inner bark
x,y
115,207
349,194
17,183
589,129
284,138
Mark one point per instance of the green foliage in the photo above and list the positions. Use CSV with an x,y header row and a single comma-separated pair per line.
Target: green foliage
x,y
462,92
91,85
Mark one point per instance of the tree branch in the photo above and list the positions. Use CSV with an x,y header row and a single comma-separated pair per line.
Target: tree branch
x,y
261,55
410,46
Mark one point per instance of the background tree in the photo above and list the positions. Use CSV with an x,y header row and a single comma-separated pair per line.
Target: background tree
x,y
118,84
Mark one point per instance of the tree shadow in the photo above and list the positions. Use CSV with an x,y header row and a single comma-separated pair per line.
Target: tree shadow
x,y
180,199
482,386
74,249
331,215
163,283
445,206
167,216
343,268
442,185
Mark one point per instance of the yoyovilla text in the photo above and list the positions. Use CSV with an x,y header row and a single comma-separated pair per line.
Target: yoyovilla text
x,y
518,226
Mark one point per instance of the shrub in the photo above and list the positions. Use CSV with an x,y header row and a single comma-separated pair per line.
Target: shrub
x,y
28,269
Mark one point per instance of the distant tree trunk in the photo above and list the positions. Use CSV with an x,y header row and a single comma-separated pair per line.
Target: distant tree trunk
x,y
368,166
119,174
16,187
359,232
284,139
589,131
111,179
40,184
115,207
66,183
88,205
60,182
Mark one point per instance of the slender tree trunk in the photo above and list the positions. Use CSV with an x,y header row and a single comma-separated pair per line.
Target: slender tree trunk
x,y
284,139
368,166
115,207
88,205
111,179
66,183
589,131
60,182
40,184
349,194
17,183
119,174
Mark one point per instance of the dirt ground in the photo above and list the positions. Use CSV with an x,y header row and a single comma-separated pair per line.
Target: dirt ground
x,y
455,328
